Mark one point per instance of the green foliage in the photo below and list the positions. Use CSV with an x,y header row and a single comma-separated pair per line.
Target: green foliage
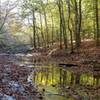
x,y
50,10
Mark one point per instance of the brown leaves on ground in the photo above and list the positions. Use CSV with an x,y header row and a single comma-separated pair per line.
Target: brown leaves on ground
x,y
13,80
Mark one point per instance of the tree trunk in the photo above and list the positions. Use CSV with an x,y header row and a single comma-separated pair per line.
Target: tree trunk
x,y
47,33
64,26
52,29
59,6
76,25
97,24
42,35
38,41
34,29
71,36
79,22
78,18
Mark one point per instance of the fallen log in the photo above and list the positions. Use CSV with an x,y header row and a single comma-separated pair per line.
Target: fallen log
x,y
67,65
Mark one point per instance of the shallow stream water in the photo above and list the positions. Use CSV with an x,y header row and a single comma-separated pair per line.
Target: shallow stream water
x,y
56,83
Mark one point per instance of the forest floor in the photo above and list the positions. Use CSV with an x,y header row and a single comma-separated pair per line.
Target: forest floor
x,y
87,56
13,78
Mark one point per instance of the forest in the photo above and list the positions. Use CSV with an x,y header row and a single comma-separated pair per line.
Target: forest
x,y
49,49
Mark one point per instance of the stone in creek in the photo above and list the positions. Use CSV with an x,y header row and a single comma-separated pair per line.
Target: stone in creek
x,y
16,87
6,97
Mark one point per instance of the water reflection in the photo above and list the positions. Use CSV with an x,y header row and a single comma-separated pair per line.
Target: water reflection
x,y
60,84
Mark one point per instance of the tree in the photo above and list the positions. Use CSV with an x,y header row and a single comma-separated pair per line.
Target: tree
x,y
78,17
31,7
70,30
62,24
62,21
5,11
46,24
97,23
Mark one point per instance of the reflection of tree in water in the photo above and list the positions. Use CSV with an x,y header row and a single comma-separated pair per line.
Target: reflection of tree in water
x,y
72,78
52,70
77,78
60,78
47,75
64,77
96,77
81,83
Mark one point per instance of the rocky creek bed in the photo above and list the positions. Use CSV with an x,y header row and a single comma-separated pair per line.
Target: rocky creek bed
x,y
13,81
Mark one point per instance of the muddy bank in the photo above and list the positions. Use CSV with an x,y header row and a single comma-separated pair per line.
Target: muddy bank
x,y
85,57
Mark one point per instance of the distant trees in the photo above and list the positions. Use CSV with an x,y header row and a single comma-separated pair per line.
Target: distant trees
x,y
63,22
30,8
44,14
5,11
6,14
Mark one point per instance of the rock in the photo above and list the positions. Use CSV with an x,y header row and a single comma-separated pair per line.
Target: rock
x,y
16,87
40,96
6,97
